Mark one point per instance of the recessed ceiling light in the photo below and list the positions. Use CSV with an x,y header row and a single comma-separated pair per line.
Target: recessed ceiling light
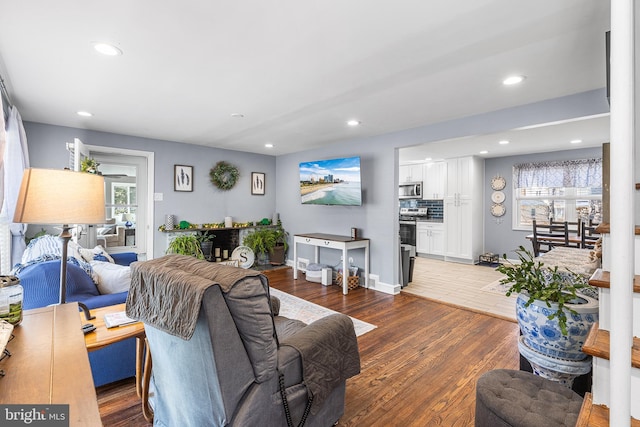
x,y
513,80
84,113
353,122
427,159
484,152
503,142
107,49
268,145
237,115
576,141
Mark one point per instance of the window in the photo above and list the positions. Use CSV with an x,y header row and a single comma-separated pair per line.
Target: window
x,y
123,200
560,190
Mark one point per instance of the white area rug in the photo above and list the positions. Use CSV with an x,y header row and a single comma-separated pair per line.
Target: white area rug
x,y
308,312
498,288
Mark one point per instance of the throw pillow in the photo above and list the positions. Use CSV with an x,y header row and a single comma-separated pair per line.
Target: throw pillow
x,y
44,245
96,254
112,278
105,230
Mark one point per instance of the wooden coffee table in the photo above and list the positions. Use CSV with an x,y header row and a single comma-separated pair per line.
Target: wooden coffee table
x,y
104,336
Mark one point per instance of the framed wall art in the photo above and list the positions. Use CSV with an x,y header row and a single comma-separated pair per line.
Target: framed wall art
x,y
182,178
258,183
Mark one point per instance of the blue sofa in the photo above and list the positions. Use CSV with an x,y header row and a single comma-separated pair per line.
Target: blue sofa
x,y
41,283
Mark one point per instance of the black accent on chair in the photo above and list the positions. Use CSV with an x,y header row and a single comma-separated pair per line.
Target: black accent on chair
x,y
588,236
548,236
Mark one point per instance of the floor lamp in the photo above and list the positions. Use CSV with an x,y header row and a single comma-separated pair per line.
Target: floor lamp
x,y
60,197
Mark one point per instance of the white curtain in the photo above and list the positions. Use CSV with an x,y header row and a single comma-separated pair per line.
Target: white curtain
x,y
3,143
557,174
16,160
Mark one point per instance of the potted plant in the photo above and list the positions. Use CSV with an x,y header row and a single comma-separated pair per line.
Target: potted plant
x,y
187,244
206,243
261,241
277,254
89,165
269,243
553,318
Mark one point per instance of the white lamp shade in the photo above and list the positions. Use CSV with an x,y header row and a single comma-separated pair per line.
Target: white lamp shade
x,y
49,196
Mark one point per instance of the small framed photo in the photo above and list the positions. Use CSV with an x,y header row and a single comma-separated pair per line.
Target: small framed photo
x,y
182,178
258,183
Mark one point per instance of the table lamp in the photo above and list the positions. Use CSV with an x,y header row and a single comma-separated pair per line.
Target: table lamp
x,y
60,197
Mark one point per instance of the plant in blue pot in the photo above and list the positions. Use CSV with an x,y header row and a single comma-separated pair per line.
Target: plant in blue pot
x,y
554,317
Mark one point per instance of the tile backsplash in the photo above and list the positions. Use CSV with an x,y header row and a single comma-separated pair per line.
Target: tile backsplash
x,y
435,208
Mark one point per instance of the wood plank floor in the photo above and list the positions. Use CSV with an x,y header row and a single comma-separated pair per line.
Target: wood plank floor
x,y
460,285
419,367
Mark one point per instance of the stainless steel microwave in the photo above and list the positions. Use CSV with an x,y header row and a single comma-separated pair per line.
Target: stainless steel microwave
x,y
410,190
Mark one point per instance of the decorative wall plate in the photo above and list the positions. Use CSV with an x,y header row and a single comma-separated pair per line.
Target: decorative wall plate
x,y
498,183
244,255
498,209
497,197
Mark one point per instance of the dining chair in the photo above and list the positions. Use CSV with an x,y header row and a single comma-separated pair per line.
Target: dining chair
x,y
589,236
574,228
548,236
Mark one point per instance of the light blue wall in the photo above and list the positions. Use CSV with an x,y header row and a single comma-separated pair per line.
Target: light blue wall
x,y
501,238
205,204
376,218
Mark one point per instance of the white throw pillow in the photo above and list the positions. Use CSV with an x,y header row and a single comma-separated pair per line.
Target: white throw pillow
x,y
96,254
74,250
105,230
112,278
44,245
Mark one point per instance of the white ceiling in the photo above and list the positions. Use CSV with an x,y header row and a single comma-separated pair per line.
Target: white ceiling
x,y
296,70
546,137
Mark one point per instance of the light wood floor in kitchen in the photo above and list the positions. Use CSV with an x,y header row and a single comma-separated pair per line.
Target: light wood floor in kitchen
x,y
460,285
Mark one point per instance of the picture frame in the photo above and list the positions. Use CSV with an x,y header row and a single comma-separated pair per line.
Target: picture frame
x,y
182,178
258,183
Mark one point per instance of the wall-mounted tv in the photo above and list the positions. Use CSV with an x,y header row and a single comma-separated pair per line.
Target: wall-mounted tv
x,y
331,182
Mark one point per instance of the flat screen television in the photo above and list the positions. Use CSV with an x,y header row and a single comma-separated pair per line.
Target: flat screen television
x,y
331,182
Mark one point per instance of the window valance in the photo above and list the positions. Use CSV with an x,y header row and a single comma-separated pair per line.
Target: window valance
x,y
559,174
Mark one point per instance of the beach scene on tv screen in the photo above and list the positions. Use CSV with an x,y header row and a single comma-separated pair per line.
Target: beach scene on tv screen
x,y
331,182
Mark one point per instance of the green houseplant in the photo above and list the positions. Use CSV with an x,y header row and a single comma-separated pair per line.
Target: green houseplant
x,y
205,240
278,253
89,165
547,284
553,318
187,244
268,243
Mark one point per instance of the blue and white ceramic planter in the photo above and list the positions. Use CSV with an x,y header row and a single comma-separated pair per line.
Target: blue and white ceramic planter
x,y
544,335
562,371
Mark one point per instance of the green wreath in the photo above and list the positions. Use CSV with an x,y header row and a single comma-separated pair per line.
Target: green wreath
x,y
224,175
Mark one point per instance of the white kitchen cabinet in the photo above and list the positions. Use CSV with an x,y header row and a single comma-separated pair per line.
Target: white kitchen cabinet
x,y
430,238
410,173
463,209
434,180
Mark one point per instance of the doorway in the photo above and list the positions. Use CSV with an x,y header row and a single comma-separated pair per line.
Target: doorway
x,y
129,185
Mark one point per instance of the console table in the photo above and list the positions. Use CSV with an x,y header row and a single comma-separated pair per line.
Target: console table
x,y
49,364
332,241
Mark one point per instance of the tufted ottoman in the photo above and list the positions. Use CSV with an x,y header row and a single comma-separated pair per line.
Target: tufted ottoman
x,y
520,399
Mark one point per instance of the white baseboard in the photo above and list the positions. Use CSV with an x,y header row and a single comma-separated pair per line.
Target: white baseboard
x,y
377,285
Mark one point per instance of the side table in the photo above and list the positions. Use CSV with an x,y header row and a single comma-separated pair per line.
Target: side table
x,y
104,336
332,241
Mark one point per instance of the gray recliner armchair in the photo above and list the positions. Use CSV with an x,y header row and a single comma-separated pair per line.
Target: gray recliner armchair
x,y
222,357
